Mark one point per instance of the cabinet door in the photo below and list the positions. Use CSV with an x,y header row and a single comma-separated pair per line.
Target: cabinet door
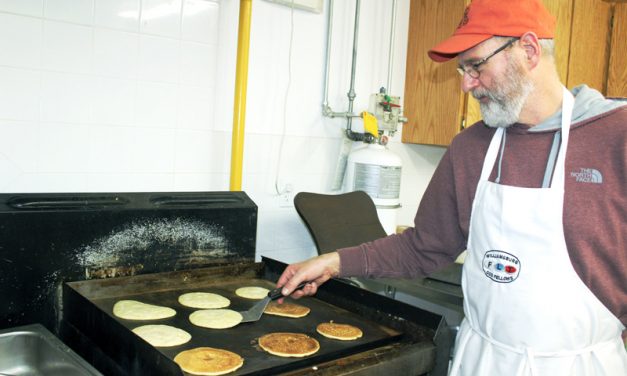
x,y
589,47
562,10
617,69
433,99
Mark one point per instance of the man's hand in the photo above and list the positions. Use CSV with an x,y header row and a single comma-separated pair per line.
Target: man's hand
x,y
315,271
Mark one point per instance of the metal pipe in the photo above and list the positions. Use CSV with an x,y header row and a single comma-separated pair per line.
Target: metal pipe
x,y
239,105
351,93
391,53
326,110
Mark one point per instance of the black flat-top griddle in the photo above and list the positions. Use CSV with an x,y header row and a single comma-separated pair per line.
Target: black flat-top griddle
x,y
388,335
242,339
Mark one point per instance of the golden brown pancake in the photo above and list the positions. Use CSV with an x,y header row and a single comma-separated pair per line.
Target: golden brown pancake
x,y
289,344
208,361
286,309
343,332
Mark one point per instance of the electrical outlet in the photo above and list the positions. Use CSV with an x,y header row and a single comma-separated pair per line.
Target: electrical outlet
x,y
286,196
285,200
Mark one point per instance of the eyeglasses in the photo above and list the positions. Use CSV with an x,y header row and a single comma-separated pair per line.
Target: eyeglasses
x,y
473,69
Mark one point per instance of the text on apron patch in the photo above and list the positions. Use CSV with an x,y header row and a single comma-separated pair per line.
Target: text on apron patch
x,y
501,266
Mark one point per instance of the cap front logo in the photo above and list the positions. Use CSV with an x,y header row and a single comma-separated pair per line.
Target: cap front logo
x,y
501,267
464,19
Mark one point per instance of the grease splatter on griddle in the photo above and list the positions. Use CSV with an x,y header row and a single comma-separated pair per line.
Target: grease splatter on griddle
x,y
188,238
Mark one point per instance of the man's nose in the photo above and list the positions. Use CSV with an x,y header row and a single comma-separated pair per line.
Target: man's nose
x,y
469,83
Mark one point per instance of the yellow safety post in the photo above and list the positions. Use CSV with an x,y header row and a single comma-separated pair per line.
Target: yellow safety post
x,y
239,105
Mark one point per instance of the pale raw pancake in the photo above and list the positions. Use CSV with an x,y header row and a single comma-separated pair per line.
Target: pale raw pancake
x,y
216,318
287,309
252,292
343,332
208,361
134,310
162,335
204,300
289,344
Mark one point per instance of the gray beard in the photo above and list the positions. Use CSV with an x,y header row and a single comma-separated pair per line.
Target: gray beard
x,y
506,100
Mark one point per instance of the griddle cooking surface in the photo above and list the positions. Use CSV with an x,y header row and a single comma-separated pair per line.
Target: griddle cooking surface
x,y
242,339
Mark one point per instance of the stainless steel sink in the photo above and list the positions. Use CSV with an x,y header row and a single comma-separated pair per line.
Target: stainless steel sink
x,y
33,350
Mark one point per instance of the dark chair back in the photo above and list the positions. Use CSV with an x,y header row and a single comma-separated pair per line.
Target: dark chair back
x,y
338,221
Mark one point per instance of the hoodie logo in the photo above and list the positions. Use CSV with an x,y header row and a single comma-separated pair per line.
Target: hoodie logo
x,y
587,175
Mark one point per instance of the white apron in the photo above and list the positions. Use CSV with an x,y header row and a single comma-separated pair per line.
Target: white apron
x,y
527,311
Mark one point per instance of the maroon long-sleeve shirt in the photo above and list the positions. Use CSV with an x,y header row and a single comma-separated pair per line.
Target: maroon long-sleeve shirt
x,y
595,205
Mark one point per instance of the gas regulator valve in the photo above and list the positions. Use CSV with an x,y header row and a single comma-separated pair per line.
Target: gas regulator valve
x,y
387,110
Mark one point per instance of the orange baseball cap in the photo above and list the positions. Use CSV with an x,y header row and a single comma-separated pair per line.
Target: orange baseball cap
x,y
484,19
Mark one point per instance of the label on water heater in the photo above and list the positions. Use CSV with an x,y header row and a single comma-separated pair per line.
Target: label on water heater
x,y
378,181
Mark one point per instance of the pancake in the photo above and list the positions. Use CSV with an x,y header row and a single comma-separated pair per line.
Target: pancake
x,y
204,300
162,335
286,309
216,318
252,292
343,332
289,344
134,310
208,361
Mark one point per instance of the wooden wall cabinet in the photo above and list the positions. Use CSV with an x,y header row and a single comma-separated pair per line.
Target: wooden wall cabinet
x,y
590,48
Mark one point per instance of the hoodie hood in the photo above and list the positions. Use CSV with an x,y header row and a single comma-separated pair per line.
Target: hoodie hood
x,y
588,103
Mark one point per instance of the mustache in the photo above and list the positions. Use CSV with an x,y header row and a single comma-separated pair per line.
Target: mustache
x,y
480,93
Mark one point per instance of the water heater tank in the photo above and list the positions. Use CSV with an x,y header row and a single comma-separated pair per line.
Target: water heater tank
x,y
377,171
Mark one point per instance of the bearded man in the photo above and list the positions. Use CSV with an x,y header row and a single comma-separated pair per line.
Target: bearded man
x,y
535,192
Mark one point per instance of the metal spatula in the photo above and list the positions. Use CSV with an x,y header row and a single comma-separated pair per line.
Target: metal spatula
x,y
255,312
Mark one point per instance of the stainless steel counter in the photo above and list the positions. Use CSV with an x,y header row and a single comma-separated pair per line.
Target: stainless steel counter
x,y
33,350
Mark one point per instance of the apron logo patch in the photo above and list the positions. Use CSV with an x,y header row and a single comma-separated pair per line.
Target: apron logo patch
x,y
501,266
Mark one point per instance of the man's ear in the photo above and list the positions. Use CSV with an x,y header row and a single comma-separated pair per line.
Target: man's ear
x,y
530,44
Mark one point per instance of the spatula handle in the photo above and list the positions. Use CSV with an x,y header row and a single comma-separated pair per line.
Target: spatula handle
x,y
276,293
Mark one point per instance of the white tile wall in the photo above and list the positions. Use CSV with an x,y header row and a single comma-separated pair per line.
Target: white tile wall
x,y
26,7
66,97
200,21
133,182
161,17
137,95
195,151
197,63
25,51
67,47
20,97
114,101
196,107
62,148
116,53
54,182
117,14
77,11
19,142
159,58
201,182
157,104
